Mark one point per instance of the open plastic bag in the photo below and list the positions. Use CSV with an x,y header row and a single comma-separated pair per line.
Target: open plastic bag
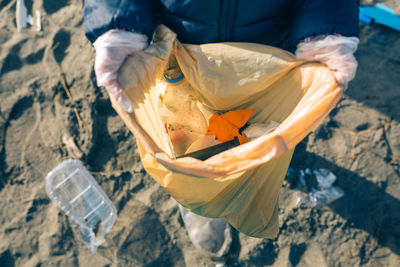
x,y
241,184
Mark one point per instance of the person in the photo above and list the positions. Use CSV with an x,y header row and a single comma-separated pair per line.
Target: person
x,y
314,30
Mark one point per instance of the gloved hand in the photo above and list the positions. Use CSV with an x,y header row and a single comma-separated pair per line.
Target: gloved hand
x,y
334,51
111,50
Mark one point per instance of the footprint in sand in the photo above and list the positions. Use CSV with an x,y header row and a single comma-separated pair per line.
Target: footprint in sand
x,y
37,206
296,252
22,122
35,57
265,253
7,259
12,61
5,33
139,238
4,3
61,42
326,130
306,255
51,6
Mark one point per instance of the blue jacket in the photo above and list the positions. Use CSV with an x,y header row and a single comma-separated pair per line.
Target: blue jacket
x,y
280,23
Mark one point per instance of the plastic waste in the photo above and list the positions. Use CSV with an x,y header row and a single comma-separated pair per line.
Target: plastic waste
x,y
278,87
203,143
256,130
37,21
21,15
184,121
208,152
213,236
228,125
314,188
22,18
72,188
187,121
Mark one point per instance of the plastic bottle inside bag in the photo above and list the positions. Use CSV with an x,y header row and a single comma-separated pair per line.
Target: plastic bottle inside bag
x,y
256,130
184,121
71,187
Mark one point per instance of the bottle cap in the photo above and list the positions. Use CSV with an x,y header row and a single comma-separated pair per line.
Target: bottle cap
x,y
172,72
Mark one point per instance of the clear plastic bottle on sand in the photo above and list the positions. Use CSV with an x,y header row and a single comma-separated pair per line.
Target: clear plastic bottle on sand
x,y
72,188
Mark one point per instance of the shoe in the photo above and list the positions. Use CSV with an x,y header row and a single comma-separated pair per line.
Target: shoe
x,y
213,236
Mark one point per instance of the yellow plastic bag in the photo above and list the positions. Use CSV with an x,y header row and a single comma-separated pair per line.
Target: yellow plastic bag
x,y
241,184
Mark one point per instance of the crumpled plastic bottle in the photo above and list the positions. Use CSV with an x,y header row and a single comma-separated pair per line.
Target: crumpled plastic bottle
x,y
179,110
314,196
326,193
72,188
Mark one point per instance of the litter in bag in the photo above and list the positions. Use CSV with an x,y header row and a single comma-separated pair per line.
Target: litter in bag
x,y
241,184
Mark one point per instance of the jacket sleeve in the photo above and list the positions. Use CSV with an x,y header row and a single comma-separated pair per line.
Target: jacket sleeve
x,y
103,15
319,17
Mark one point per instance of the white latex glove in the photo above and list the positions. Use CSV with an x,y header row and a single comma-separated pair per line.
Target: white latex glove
x,y
111,50
334,51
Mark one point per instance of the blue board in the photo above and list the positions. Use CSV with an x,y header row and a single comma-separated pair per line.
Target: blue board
x,y
380,14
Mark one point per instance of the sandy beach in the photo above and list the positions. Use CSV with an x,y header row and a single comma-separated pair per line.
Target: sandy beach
x,y
40,123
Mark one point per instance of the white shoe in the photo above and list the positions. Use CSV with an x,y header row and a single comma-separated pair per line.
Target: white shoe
x,y
220,264
213,236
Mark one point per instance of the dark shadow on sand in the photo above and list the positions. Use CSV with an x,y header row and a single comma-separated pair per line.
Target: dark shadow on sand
x,y
377,83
